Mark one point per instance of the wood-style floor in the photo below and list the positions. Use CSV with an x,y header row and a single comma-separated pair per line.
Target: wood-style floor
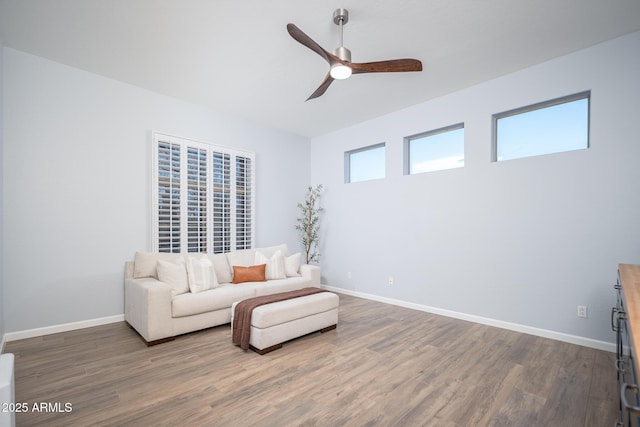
x,y
383,366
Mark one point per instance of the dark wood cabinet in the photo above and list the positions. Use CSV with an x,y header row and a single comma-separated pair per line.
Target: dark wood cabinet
x,y
625,321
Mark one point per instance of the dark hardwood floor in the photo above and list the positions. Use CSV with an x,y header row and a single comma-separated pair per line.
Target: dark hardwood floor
x,y
383,366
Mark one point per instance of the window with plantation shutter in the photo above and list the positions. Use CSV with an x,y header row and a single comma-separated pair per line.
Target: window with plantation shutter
x,y
168,197
221,202
203,197
196,200
244,202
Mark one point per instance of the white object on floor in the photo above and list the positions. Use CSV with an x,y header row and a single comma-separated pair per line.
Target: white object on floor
x,y
7,391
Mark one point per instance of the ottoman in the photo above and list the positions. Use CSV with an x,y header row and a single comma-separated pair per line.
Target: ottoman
x,y
273,324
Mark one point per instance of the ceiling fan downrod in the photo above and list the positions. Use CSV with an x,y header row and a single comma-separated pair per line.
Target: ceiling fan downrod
x,y
340,18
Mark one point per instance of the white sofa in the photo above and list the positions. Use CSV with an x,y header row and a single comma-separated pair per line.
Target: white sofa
x,y
160,310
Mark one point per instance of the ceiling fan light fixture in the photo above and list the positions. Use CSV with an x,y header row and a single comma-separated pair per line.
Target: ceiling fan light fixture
x,y
340,72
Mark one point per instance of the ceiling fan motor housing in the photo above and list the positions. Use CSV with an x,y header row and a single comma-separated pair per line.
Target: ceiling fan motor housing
x,y
343,53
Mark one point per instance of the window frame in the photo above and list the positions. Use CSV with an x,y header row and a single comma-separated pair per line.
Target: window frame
x,y
347,161
407,146
535,107
232,211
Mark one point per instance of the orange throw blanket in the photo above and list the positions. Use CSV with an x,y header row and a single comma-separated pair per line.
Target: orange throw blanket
x,y
241,333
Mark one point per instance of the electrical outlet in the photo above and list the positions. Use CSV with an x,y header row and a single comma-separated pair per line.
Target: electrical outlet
x,y
348,275
391,280
582,311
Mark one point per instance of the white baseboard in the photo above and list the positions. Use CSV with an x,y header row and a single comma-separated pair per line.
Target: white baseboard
x,y
559,336
47,330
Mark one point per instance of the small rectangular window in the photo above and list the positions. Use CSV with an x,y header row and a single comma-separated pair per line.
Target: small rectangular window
x,y
365,164
434,150
549,127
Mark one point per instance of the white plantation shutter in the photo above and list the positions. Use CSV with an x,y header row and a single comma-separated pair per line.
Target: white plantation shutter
x,y
244,202
203,197
197,200
168,197
221,217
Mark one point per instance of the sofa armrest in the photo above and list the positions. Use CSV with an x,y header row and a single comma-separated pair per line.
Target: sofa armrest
x,y
311,272
147,308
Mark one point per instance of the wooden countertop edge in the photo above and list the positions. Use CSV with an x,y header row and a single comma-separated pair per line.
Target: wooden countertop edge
x,y
630,281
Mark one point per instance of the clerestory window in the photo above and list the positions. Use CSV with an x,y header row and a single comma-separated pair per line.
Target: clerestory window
x,y
435,150
549,127
364,164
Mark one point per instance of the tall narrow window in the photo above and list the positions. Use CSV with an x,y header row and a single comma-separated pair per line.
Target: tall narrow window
x,y
434,150
168,197
244,202
549,127
197,211
365,164
221,219
201,203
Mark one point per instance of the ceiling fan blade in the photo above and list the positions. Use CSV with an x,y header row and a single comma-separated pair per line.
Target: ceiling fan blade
x,y
391,66
322,88
299,36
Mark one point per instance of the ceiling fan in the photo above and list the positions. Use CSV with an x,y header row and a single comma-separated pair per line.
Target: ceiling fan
x,y
340,59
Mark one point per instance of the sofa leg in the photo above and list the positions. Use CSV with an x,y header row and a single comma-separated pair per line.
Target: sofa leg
x,y
160,341
265,350
328,328
154,342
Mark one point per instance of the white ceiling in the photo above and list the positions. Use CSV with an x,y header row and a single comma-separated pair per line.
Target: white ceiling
x,y
237,56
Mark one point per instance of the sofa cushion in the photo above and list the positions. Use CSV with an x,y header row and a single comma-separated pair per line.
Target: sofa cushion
x,y
145,263
270,250
173,274
244,258
282,285
254,273
275,264
222,297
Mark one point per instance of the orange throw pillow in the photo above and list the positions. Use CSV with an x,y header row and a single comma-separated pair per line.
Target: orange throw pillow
x,y
255,273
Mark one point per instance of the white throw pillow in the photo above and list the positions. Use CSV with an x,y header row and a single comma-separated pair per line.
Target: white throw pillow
x,y
173,274
202,275
223,272
275,265
292,265
146,262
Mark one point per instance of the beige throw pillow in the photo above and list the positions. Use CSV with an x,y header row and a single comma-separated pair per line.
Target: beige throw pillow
x,y
292,265
275,265
173,274
202,275
145,263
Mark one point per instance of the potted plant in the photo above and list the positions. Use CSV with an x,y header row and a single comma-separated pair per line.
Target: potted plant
x,y
309,223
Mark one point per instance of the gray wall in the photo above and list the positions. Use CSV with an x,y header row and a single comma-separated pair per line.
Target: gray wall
x,y
2,321
522,242
77,185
